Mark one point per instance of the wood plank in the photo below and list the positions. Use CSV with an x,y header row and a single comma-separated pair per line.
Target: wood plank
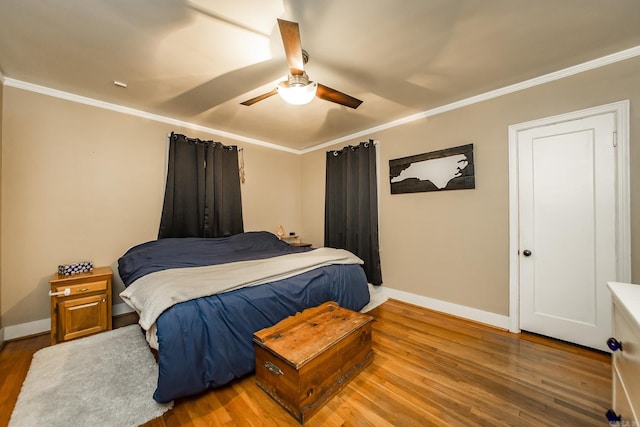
x,y
428,369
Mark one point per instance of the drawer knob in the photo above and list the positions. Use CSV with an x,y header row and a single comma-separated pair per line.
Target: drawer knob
x,y
612,417
614,344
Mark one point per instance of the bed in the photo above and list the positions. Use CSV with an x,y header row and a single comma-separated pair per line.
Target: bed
x,y
200,300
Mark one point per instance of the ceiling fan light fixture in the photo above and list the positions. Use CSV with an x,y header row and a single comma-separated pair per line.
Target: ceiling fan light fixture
x,y
298,91
296,88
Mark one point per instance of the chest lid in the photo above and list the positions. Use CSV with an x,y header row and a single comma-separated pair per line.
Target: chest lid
x,y
300,338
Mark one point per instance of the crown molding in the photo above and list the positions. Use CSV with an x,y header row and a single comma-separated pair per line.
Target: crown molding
x,y
537,81
31,87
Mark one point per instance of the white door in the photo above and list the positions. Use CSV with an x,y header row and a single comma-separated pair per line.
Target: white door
x,y
567,228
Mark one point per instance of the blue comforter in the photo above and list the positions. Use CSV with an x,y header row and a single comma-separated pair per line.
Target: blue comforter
x,y
207,342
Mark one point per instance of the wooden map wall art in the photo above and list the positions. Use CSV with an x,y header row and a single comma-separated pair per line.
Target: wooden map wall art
x,y
447,169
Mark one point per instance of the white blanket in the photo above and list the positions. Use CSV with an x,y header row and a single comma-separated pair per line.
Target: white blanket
x,y
152,294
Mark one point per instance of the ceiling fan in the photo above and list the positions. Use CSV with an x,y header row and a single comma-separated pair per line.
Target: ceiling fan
x,y
298,89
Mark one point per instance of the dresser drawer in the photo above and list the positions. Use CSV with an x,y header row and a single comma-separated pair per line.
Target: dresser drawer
x,y
626,365
621,404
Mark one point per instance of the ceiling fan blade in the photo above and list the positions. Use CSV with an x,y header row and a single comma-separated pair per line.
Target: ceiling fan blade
x,y
252,101
338,97
290,32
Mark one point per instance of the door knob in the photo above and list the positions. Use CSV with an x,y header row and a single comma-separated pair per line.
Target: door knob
x,y
614,344
526,252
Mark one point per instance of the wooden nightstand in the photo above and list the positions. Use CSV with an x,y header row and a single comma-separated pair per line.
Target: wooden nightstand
x,y
294,240
301,244
80,304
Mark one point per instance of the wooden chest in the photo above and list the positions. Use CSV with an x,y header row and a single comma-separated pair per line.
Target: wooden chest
x,y
306,359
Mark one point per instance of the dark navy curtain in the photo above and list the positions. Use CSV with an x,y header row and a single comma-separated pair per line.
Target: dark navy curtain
x,y
351,205
202,196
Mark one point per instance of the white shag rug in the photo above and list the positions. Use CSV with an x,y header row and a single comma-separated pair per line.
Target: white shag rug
x,y
107,379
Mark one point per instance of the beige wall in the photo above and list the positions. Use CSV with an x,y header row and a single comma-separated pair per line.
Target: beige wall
x,y
83,183
453,245
1,104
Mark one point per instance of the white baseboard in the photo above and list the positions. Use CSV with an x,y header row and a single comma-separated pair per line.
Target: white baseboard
x,y
44,325
486,317
492,319
26,329
122,308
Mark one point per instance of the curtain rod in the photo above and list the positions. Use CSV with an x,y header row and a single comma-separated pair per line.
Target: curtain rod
x,y
218,142
371,141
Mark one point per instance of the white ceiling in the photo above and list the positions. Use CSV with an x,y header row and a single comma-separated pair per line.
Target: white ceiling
x,y
196,60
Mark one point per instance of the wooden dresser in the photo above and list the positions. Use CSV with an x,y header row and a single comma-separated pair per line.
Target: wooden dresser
x,y
80,304
625,345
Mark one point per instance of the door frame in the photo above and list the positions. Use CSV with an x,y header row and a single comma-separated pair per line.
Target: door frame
x,y
623,216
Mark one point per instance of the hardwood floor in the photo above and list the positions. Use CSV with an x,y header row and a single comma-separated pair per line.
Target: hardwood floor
x,y
428,369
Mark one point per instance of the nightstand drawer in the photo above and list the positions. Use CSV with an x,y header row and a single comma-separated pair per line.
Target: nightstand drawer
x,y
83,288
